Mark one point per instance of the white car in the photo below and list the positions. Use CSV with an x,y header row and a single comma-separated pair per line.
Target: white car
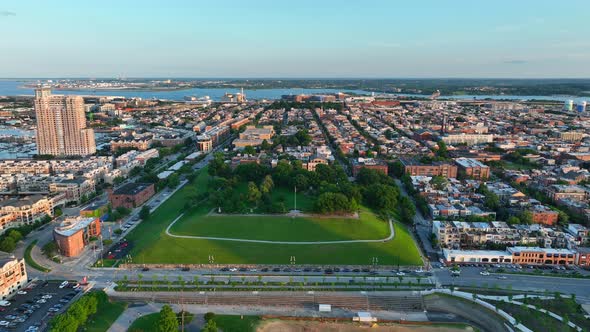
x,y
4,303
484,273
21,292
63,284
419,271
47,296
41,301
4,323
400,274
233,269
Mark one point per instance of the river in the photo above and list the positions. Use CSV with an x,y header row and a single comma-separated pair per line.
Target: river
x,y
14,88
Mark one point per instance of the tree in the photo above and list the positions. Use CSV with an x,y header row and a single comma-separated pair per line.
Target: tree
x,y
439,182
381,197
563,219
300,181
7,244
442,149
79,312
265,145
144,213
368,176
218,167
282,172
335,202
526,217
251,171
249,149
167,322
266,185
173,181
398,169
407,210
209,316
253,193
513,220
210,326
15,235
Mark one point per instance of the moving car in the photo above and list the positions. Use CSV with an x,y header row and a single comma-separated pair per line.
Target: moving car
x,y
484,273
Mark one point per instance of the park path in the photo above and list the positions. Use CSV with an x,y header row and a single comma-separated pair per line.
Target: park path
x,y
389,238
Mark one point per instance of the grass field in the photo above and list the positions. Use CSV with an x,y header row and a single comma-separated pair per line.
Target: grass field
x,y
278,228
106,314
145,323
233,323
152,245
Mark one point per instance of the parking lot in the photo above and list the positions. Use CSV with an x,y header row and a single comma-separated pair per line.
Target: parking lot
x,y
119,250
33,310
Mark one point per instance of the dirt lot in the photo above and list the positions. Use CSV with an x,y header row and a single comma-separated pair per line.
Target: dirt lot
x,y
307,326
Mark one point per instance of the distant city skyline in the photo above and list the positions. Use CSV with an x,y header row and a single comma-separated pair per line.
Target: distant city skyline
x,y
307,39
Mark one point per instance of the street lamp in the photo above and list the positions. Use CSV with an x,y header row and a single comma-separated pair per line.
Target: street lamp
x,y
211,262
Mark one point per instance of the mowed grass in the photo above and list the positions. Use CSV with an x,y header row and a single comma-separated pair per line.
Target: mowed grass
x,y
279,228
106,314
146,323
152,245
234,323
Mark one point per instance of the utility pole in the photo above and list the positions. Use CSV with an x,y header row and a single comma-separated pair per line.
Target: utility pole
x,y
295,195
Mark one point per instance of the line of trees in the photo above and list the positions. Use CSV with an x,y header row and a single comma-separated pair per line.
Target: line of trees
x,y
77,314
328,183
10,238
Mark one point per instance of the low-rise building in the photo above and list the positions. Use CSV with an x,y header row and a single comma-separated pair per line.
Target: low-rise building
x,y
13,275
472,168
25,210
414,168
542,256
254,136
370,163
131,195
544,215
74,234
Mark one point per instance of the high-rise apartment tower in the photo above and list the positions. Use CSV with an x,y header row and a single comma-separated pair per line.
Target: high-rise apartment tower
x,y
61,125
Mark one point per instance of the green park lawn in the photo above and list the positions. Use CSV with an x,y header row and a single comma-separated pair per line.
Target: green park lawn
x,y
235,323
152,245
106,314
279,228
145,323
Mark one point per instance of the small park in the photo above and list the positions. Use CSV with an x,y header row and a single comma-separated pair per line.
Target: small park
x,y
252,214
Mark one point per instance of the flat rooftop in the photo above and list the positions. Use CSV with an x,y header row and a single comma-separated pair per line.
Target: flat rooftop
x,y
72,226
131,188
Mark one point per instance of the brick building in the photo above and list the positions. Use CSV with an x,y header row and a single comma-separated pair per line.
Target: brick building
x,y
131,195
543,256
414,168
544,215
370,163
473,168
583,257
74,234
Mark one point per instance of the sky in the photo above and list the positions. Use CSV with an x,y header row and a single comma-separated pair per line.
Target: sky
x,y
278,38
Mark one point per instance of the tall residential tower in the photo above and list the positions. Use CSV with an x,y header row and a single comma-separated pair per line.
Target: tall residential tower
x,y
61,125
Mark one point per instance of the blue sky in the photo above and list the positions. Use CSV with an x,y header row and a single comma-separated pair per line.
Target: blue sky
x,y
320,38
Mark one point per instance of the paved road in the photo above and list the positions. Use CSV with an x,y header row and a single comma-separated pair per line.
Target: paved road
x,y
470,277
388,238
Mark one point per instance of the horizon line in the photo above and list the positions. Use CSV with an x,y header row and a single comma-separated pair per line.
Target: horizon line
x,y
294,78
